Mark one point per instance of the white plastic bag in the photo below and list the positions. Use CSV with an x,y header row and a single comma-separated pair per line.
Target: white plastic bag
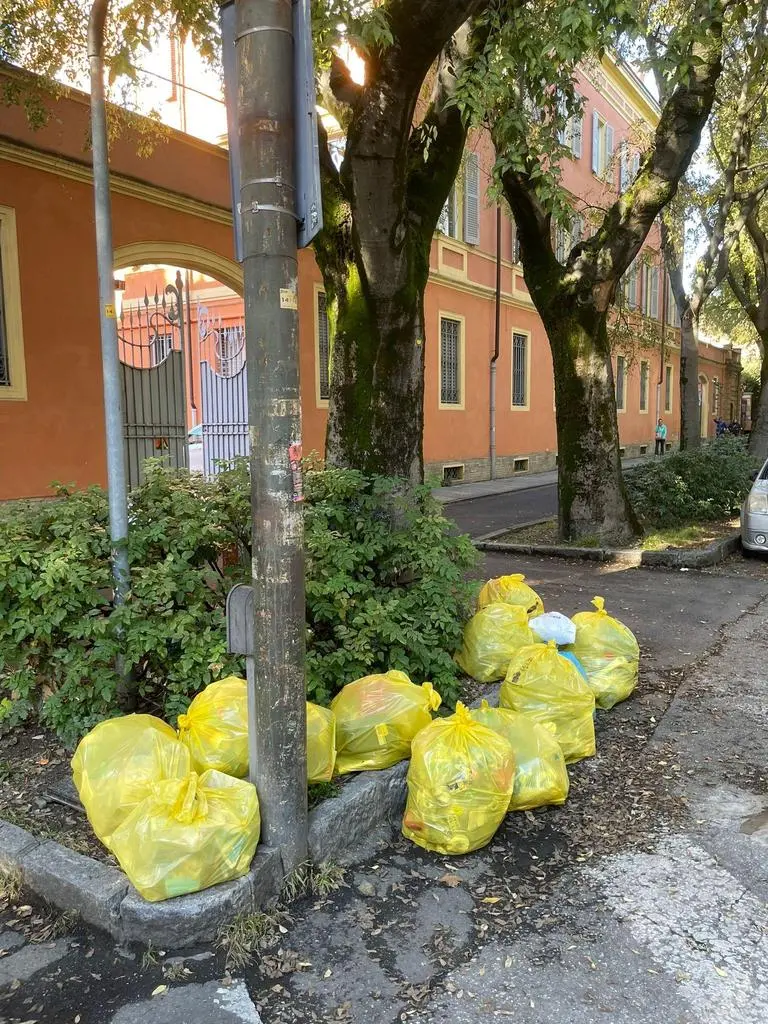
x,y
554,626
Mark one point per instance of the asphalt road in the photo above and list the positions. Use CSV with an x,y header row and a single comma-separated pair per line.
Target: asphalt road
x,y
479,516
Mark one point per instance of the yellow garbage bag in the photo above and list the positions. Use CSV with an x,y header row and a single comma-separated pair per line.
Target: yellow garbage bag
x,y
116,765
609,652
491,637
548,688
189,834
376,719
215,727
460,781
321,743
511,590
540,774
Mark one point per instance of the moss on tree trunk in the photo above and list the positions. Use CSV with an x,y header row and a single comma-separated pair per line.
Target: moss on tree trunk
x,y
592,498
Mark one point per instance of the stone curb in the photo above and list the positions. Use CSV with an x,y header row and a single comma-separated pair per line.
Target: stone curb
x,y
674,559
343,829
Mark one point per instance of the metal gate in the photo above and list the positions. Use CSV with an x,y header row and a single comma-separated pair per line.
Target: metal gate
x,y
224,390
151,340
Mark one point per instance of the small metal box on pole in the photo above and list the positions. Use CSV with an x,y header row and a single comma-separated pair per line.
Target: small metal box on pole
x,y
240,628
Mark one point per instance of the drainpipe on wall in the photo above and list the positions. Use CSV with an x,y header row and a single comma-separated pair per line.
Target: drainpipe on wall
x,y
662,366
497,336
110,360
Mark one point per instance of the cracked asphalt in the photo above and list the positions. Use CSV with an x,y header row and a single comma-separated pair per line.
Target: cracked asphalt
x,y
642,899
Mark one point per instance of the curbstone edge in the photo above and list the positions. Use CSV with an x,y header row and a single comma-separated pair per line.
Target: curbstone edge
x,y
673,558
70,881
14,843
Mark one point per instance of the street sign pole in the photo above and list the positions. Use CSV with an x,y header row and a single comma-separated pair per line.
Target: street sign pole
x,y
264,56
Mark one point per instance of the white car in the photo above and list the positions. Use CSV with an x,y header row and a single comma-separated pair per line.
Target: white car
x,y
754,515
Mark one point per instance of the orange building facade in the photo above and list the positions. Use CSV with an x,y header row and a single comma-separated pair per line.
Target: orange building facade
x,y
172,210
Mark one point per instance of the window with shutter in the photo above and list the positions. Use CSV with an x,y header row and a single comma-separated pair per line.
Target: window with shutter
x,y
447,223
623,167
635,164
562,110
608,150
561,244
673,316
519,370
515,242
653,292
450,361
621,383
645,374
323,350
13,378
5,369
632,289
596,145
472,199
577,229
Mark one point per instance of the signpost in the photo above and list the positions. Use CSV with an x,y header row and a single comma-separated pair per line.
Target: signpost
x,y
269,86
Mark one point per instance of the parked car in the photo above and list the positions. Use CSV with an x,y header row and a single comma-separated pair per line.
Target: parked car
x,y
195,449
754,514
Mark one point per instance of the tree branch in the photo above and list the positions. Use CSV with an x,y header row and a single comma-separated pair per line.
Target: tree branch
x,y
677,136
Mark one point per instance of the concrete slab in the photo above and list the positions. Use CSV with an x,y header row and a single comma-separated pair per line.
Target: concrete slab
x,y
700,923
210,1003
588,971
10,940
30,959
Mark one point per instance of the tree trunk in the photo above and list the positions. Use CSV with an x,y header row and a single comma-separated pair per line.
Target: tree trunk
x,y
376,418
690,410
758,439
593,501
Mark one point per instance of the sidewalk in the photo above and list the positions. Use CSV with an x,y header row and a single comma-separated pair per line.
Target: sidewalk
x,y
642,900
504,485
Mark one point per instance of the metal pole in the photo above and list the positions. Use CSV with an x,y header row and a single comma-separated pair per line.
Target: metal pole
x,y
497,339
662,368
277,690
110,360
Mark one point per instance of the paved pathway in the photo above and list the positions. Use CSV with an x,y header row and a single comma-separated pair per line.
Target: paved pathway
x,y
642,900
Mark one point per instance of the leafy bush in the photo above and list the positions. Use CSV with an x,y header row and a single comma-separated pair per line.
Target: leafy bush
x,y
385,583
385,588
695,485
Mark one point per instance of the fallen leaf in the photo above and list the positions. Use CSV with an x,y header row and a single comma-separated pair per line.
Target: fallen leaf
x,y
721,972
451,880
491,899
160,990
327,973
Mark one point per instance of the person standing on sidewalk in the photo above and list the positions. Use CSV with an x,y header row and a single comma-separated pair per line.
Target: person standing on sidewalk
x,y
661,437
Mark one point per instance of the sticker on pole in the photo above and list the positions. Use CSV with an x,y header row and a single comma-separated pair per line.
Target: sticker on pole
x,y
109,311
288,299
294,455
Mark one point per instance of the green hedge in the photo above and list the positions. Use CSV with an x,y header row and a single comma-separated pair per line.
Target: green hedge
x,y
385,577
702,484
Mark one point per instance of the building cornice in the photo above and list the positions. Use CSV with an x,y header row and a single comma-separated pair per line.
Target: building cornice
x,y
120,184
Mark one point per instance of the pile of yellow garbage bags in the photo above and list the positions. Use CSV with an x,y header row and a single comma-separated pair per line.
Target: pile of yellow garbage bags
x,y
175,809
468,771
